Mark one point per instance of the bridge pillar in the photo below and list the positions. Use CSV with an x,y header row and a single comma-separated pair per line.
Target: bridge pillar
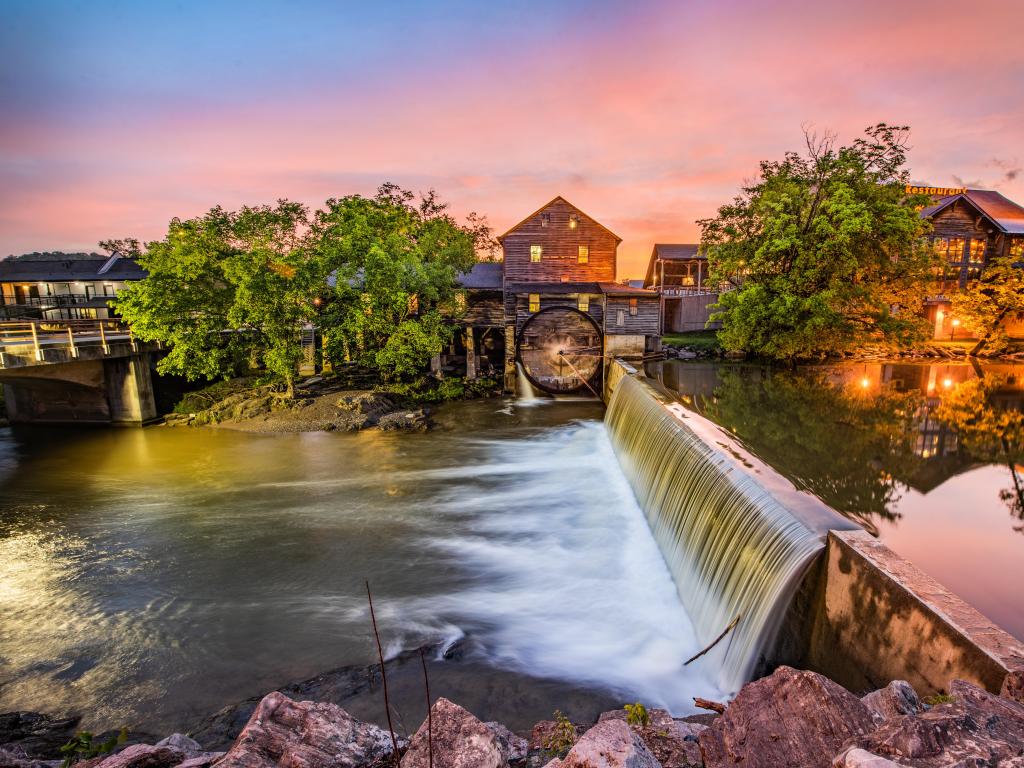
x,y
129,387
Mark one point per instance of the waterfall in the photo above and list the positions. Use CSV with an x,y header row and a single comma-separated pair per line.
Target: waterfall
x,y
525,393
723,521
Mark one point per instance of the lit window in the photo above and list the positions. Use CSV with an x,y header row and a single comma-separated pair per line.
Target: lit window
x,y
583,303
583,254
535,302
633,307
545,219
574,221
976,251
620,318
535,251
1017,247
950,248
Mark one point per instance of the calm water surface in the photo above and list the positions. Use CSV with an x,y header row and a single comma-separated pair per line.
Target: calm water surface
x,y
149,577
869,440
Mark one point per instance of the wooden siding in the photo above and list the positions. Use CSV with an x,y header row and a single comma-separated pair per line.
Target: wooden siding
x,y
521,305
484,309
646,322
961,220
559,245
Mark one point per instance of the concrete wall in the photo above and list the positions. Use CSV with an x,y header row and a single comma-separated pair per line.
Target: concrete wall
x,y
875,617
624,346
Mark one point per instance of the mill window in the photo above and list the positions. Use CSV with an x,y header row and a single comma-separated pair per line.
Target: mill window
x,y
535,302
633,307
535,251
583,254
545,219
583,303
620,318
574,221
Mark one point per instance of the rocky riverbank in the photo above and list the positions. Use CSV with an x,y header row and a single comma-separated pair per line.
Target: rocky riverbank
x,y
318,405
790,718
867,353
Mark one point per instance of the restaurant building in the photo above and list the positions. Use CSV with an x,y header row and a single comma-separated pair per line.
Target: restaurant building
x,y
679,273
969,228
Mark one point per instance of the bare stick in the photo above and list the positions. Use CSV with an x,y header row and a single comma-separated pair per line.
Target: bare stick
x,y
717,640
383,674
430,715
714,706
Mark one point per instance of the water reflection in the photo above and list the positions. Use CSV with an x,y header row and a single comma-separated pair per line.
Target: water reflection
x,y
928,457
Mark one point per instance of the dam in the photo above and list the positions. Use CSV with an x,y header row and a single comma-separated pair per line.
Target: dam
x,y
801,584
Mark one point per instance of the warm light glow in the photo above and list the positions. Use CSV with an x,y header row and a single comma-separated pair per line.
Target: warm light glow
x,y
955,322
865,382
947,383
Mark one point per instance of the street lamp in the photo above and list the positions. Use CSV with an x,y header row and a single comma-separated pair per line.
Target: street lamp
x,y
953,326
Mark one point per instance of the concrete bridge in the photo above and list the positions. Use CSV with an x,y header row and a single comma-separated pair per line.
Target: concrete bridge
x,y
76,371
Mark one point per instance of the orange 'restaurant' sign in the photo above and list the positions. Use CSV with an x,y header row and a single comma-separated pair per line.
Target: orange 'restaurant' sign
x,y
935,191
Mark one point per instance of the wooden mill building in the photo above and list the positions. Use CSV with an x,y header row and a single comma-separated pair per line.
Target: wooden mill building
x,y
561,311
970,227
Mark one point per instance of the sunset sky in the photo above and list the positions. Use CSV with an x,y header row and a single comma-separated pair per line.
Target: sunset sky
x,y
117,116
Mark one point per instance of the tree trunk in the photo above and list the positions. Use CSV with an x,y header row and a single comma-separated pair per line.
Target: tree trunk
x,y
289,387
976,349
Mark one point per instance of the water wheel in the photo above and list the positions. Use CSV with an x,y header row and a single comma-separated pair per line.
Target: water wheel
x,y
559,349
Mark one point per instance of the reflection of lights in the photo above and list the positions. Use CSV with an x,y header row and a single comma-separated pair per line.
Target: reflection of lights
x,y
865,382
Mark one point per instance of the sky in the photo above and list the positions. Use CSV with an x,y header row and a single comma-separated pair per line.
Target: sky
x,y
117,116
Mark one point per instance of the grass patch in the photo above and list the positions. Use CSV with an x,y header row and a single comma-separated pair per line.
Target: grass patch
x,y
702,340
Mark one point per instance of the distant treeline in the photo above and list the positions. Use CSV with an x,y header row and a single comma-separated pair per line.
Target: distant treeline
x,y
55,256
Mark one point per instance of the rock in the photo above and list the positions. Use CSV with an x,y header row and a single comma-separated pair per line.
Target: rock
x,y
610,744
975,728
182,743
1013,687
897,698
790,718
201,760
143,756
409,421
35,734
858,758
305,733
675,744
512,746
459,739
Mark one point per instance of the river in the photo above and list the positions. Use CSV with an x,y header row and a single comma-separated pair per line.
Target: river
x,y
150,576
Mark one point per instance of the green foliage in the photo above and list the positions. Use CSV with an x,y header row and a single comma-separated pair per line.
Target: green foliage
x,y
82,747
938,698
225,291
395,261
986,301
562,736
430,390
201,399
696,340
824,252
636,714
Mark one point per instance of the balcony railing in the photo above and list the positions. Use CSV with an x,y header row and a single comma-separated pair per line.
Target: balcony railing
x,y
58,300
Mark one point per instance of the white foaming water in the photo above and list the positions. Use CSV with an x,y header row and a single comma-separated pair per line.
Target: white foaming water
x,y
569,582
524,389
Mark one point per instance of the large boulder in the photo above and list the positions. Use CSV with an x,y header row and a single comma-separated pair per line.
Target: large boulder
x,y
282,732
142,756
514,747
790,718
1013,687
674,744
458,740
609,744
34,734
975,728
859,758
897,698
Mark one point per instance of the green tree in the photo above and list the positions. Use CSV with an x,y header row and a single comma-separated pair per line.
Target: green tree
x,y
394,261
823,252
225,291
986,301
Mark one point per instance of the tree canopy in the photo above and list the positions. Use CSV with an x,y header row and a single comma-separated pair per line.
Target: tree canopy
x,y
987,300
234,289
823,252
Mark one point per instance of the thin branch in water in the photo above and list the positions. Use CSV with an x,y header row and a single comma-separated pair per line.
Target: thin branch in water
x,y
430,715
716,641
383,674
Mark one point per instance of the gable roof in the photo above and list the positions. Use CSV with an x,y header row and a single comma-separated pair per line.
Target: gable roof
x,y
676,251
551,202
1005,215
